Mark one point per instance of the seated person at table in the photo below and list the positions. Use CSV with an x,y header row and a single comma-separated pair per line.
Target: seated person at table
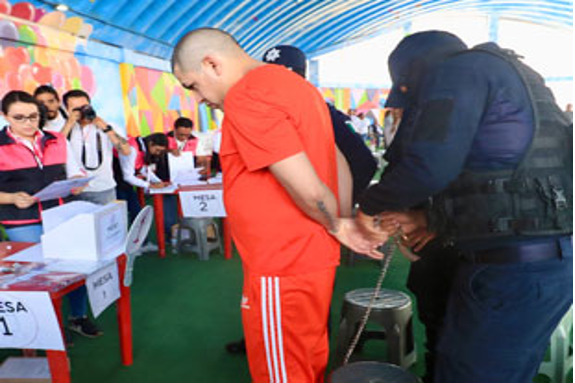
x,y
30,160
145,167
138,167
181,138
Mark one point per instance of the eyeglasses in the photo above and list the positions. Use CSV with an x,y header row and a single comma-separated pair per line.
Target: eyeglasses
x,y
20,118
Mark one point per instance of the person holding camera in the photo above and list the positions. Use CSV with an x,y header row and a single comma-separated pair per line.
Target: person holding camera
x,y
54,116
93,141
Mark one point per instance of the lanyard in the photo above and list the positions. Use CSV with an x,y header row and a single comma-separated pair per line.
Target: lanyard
x,y
34,147
98,149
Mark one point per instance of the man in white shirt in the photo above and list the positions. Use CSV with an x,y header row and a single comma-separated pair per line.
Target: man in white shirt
x,y
361,125
93,141
55,118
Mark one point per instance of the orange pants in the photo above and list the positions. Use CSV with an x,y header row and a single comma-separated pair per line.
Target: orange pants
x,y
285,325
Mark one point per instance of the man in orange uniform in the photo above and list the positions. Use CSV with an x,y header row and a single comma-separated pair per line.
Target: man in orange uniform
x,y
280,190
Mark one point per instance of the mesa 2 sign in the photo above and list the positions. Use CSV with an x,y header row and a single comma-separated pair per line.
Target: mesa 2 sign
x,y
28,321
204,203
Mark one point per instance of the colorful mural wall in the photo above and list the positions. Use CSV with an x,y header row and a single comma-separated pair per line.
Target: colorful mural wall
x,y
39,47
362,100
26,59
153,100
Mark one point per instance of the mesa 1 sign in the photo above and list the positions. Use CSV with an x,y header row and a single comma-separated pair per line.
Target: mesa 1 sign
x,y
28,321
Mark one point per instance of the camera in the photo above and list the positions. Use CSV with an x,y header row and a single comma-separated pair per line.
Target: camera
x,y
87,113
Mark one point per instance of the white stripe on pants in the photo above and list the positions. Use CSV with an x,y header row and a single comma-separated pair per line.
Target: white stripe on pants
x,y
272,330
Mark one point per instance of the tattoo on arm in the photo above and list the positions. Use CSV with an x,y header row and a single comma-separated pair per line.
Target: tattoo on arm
x,y
121,141
332,223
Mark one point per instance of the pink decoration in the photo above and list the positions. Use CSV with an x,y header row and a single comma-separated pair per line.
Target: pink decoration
x,y
87,79
73,67
57,80
14,81
17,56
24,11
5,7
25,71
39,13
41,74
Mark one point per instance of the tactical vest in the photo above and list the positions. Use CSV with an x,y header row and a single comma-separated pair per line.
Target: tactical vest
x,y
535,199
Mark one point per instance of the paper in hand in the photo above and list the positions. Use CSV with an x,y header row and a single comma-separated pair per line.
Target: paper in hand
x,y
61,189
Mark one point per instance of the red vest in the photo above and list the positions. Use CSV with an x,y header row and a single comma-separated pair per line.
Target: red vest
x,y
20,172
190,146
140,147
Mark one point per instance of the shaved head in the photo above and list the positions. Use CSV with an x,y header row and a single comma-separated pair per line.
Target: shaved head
x,y
197,44
208,62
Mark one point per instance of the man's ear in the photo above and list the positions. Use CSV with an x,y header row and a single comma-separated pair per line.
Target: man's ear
x,y
212,64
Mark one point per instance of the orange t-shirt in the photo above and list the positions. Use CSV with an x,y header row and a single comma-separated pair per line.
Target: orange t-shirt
x,y
272,114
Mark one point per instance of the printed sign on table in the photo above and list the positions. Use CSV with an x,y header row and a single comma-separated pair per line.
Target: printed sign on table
x,y
204,203
103,288
28,320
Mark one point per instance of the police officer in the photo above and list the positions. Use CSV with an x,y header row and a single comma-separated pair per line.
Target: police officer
x,y
485,146
358,156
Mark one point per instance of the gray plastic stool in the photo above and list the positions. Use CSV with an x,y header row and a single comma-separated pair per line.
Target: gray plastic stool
x,y
193,235
372,372
392,310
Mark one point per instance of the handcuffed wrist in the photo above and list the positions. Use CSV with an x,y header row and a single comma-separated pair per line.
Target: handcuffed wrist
x,y
336,227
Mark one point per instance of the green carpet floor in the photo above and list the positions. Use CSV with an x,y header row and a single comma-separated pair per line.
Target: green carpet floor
x,y
184,311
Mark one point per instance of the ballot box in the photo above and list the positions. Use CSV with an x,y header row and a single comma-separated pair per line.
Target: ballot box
x,y
82,230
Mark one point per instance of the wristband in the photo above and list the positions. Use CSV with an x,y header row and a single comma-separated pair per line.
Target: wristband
x,y
107,129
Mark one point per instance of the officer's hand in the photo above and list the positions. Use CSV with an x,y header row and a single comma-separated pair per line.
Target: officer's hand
x,y
349,235
417,239
374,228
407,253
410,221
23,200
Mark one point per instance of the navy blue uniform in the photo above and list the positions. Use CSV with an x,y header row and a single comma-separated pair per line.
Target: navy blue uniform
x,y
471,111
361,163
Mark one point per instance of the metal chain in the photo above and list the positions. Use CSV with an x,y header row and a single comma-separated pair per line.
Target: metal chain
x,y
388,255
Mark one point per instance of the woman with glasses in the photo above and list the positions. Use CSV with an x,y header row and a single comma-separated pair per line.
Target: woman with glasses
x,y
29,160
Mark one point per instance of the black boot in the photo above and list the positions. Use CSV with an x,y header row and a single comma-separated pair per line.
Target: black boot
x,y
238,347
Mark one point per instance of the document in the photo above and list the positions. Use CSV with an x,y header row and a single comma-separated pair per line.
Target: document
x,y
191,177
170,189
61,189
181,164
30,254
